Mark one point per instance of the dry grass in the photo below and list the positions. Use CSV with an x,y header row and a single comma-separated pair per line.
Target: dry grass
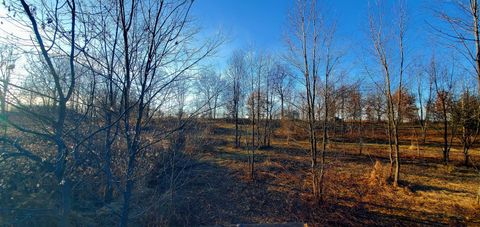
x,y
357,188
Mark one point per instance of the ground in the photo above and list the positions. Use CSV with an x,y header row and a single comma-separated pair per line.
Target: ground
x,y
221,191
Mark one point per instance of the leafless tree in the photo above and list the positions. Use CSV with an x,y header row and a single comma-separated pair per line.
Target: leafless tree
x,y
381,49
236,73
424,102
282,83
257,70
209,86
443,104
461,27
7,64
304,23
462,32
465,112
375,106
312,38
57,43
155,37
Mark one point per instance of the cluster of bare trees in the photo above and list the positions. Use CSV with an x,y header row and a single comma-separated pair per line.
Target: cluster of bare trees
x,y
437,101
99,74
111,86
312,39
258,95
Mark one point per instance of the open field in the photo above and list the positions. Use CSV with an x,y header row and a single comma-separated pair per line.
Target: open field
x,y
216,188
239,113
431,193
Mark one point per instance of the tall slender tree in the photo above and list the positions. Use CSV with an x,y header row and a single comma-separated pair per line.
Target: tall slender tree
x,y
382,55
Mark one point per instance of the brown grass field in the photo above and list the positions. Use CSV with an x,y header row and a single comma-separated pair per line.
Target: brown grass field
x,y
221,192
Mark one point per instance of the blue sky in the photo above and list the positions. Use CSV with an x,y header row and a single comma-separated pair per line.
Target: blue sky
x,y
246,22
261,24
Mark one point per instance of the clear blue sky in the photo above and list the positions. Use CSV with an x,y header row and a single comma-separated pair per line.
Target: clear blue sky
x,y
246,22
261,24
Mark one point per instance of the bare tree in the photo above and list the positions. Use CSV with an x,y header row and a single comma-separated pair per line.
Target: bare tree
x,y
406,106
312,39
383,56
375,106
462,28
463,32
443,105
161,29
424,102
330,62
7,64
465,112
304,23
209,87
236,72
281,84
57,46
355,112
256,71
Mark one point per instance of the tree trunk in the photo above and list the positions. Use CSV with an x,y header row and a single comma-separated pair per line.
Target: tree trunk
x,y
390,145
360,135
237,139
282,113
474,7
252,157
466,155
397,157
107,169
128,190
324,149
445,139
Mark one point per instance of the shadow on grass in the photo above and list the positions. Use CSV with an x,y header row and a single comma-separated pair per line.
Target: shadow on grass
x,y
421,187
238,156
217,195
